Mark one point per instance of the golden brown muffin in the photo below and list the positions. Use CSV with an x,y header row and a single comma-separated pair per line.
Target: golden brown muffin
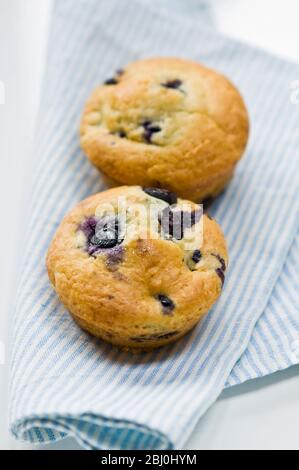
x,y
166,123
137,267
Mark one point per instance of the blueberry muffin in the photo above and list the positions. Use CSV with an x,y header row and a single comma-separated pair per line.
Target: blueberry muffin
x,y
137,267
166,123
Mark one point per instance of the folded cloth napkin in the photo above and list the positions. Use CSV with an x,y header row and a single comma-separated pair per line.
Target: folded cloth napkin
x,y
66,383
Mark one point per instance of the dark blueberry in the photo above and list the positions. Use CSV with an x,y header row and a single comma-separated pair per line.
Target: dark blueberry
x,y
114,258
196,256
149,133
149,130
121,134
102,234
142,339
195,217
173,84
88,227
221,260
154,129
106,233
174,223
221,275
91,249
163,194
207,203
104,243
167,304
111,81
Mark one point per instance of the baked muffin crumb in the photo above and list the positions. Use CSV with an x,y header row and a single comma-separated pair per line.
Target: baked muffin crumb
x,y
167,122
130,280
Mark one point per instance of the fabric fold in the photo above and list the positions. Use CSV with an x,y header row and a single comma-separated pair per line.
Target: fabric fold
x,y
65,383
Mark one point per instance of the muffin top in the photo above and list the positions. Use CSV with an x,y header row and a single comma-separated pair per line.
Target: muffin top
x,y
134,263
166,122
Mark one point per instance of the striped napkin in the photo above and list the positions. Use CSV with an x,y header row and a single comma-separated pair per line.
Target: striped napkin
x,y
66,383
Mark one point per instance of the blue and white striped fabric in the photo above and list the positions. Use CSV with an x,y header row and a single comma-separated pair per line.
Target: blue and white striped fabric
x,y
63,382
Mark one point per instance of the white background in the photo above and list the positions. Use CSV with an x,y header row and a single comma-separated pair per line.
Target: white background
x,y
262,414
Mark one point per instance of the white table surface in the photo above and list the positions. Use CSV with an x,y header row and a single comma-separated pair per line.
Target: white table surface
x,y
262,414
